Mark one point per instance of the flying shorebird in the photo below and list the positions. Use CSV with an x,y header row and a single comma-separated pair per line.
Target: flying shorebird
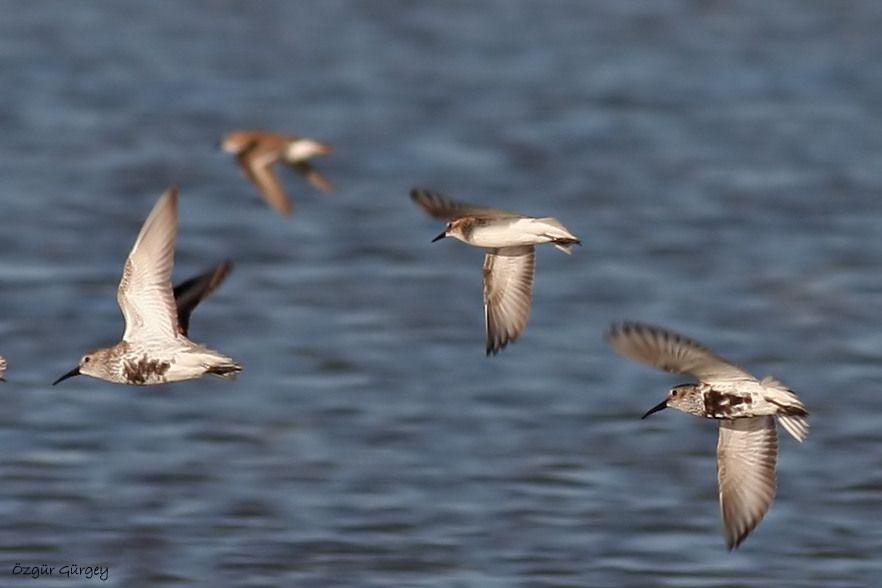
x,y
2,369
257,151
746,408
154,347
509,262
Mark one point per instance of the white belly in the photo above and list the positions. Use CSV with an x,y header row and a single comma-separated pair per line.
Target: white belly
x,y
512,233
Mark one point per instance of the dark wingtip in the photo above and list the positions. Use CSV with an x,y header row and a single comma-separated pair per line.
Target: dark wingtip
x,y
221,271
422,197
417,193
190,293
733,544
494,348
610,330
614,329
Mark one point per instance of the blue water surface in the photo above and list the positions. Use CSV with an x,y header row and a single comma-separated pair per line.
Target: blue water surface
x,y
722,162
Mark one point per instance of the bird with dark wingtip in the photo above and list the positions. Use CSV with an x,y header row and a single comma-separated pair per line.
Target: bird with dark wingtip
x,y
509,240
155,348
747,449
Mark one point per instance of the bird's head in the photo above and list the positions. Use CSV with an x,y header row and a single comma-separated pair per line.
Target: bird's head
x,y
685,397
94,363
458,228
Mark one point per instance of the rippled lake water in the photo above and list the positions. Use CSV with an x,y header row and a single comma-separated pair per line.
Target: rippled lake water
x,y
722,162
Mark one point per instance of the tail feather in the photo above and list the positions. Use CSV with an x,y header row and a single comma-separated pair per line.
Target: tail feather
x,y
566,245
228,370
796,425
559,235
792,413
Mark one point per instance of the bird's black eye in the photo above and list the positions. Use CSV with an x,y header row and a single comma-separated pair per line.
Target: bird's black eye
x,y
87,359
674,392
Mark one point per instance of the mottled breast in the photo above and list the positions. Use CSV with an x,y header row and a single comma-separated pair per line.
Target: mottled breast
x,y
726,405
145,370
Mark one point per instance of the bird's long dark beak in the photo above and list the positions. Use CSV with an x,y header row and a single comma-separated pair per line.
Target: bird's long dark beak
x,y
70,374
660,406
439,237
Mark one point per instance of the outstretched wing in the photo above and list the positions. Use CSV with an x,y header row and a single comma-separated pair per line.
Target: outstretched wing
x,y
746,454
257,166
672,352
439,206
145,292
508,290
190,293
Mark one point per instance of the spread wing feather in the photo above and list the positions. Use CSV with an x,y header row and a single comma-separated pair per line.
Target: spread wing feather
x,y
258,166
672,352
439,206
746,456
145,292
508,290
190,293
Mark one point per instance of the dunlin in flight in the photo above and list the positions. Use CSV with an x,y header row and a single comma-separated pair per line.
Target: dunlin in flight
x,y
154,347
2,369
509,239
746,408
257,151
